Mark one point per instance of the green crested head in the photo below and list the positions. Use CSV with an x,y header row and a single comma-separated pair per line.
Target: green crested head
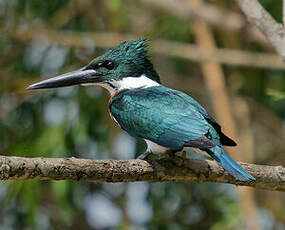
x,y
127,59
124,66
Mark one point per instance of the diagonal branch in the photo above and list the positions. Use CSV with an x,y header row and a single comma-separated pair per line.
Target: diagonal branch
x,y
257,15
213,15
178,169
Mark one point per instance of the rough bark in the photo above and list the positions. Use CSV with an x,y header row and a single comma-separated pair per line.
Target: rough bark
x,y
177,169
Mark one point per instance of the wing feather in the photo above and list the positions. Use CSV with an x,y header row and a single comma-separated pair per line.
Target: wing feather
x,y
162,115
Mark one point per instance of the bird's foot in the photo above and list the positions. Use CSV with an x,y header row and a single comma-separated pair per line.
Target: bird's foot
x,y
184,155
171,153
177,159
144,155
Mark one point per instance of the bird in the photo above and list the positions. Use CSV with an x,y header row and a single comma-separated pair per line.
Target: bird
x,y
167,119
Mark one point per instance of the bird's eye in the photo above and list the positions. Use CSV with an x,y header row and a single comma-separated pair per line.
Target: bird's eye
x,y
108,65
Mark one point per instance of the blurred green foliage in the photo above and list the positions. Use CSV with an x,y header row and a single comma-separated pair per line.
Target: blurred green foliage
x,y
75,122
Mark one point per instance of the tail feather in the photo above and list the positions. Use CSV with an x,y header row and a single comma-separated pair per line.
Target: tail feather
x,y
228,163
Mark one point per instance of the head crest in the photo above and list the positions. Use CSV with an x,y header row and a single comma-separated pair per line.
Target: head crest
x,y
131,49
131,58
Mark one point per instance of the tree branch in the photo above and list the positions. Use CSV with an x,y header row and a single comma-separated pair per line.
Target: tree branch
x,y
178,169
257,15
162,47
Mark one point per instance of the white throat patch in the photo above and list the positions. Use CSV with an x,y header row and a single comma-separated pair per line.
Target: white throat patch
x,y
135,82
129,83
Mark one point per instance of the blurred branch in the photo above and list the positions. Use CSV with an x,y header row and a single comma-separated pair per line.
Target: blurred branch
x,y
178,169
175,49
215,80
283,12
209,13
258,16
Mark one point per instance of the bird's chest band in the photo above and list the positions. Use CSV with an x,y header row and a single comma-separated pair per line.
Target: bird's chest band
x,y
110,100
112,96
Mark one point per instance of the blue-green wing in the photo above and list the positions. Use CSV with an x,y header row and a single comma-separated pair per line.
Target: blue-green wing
x,y
165,116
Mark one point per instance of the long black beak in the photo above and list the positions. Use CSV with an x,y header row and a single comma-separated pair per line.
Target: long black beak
x,y
81,76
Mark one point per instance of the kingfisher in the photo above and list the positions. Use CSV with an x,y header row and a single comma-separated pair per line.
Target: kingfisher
x,y
167,119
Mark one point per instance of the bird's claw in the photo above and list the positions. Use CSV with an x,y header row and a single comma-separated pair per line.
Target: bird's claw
x,y
184,155
171,153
